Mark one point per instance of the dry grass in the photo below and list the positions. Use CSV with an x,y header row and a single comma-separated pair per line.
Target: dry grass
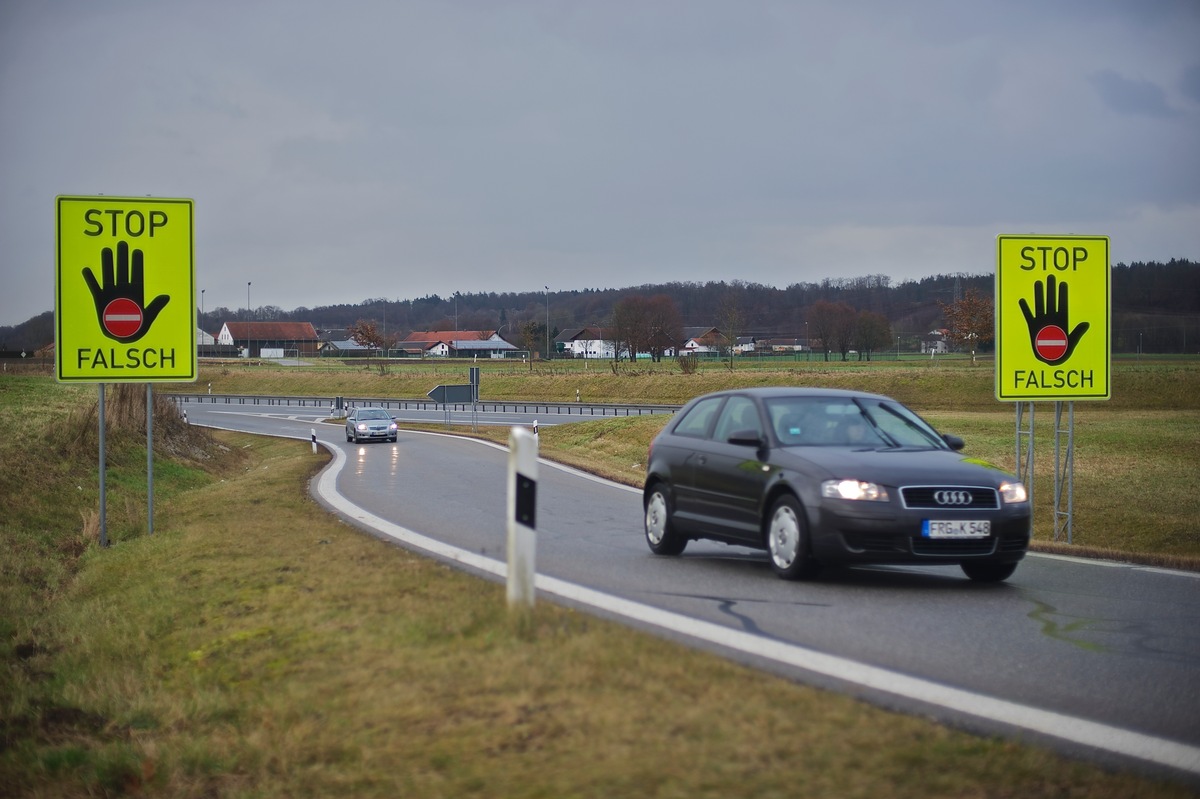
x,y
260,648
257,647
944,384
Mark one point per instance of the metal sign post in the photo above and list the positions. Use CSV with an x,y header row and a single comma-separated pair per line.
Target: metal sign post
x,y
150,459
1064,471
124,303
1024,468
103,493
1053,342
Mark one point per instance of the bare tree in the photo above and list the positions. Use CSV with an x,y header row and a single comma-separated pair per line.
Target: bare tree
x,y
631,322
368,334
872,332
731,318
970,320
832,323
664,326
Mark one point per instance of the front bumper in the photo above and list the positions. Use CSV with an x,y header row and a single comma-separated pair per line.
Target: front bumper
x,y
376,434
848,532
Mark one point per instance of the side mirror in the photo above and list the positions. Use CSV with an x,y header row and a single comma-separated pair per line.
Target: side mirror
x,y
745,438
954,442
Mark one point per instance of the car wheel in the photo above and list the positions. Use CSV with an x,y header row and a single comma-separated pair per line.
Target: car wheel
x,y
787,541
348,436
660,532
391,440
989,572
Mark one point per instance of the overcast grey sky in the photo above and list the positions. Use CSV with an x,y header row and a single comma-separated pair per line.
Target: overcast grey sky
x,y
340,151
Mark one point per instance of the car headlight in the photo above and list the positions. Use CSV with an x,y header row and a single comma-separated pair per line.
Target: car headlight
x,y
1013,492
392,427
362,426
853,489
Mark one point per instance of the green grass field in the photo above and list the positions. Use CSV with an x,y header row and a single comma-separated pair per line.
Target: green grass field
x,y
1147,434
255,646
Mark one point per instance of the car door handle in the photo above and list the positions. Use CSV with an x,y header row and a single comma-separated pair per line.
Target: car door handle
x,y
701,460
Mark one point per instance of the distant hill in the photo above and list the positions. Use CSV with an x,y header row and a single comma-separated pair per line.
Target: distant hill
x,y
1154,304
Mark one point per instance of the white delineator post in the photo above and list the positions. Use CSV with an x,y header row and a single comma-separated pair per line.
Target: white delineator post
x,y
522,517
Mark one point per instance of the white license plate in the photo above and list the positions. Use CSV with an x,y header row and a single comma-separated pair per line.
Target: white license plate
x,y
956,528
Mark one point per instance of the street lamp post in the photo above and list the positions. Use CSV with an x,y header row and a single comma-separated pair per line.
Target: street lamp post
x,y
547,322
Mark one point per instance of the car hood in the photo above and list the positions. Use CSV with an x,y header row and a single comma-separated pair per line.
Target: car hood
x,y
896,467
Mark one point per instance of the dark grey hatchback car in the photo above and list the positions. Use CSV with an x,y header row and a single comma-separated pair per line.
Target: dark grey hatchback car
x,y
817,476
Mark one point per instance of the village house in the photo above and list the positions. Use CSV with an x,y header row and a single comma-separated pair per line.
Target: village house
x,y
270,339
457,344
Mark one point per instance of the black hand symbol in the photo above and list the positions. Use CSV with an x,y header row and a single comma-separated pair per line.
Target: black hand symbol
x,y
1048,335
120,303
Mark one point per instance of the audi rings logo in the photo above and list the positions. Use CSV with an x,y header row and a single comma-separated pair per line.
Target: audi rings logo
x,y
952,497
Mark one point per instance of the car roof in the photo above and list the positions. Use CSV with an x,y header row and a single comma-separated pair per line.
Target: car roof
x,y
771,392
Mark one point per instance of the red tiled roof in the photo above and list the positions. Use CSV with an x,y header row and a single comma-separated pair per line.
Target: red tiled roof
x,y
272,331
448,336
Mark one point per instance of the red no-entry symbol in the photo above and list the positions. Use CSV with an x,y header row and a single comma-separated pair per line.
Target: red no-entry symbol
x,y
122,317
1051,342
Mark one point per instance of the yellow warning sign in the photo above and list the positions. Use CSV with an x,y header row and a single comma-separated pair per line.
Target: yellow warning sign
x,y
125,296
1053,311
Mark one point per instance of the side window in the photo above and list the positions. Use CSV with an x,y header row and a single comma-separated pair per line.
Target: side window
x,y
738,416
698,420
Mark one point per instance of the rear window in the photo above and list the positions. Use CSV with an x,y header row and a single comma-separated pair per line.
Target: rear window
x,y
697,420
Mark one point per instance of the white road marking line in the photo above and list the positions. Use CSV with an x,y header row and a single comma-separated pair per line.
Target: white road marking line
x,y
1104,737
1068,728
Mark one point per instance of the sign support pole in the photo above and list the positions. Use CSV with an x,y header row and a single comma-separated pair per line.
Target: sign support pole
x,y
103,508
1053,342
1024,467
1064,471
149,459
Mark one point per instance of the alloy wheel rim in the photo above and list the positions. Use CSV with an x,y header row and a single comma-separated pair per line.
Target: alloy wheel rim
x,y
656,518
784,537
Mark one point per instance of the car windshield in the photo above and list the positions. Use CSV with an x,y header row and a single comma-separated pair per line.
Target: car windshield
x,y
849,422
373,414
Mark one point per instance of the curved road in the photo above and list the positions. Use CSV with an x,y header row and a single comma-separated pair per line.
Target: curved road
x,y
1095,658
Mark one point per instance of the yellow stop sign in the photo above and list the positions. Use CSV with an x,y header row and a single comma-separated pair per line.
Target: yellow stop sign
x,y
125,297
1053,318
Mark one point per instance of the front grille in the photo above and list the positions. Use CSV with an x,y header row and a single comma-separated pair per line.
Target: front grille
x,y
924,497
878,544
946,548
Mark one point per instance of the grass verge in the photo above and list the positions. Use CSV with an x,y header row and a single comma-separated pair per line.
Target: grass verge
x,y
258,647
255,646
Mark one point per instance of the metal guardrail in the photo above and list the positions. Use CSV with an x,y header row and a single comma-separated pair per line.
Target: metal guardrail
x,y
482,406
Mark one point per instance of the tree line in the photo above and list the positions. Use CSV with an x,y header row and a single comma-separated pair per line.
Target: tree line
x,y
1155,308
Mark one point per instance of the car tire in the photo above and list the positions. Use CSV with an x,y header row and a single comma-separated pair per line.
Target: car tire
x,y
989,572
787,541
348,436
392,440
661,536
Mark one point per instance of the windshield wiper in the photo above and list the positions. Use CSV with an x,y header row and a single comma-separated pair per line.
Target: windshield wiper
x,y
887,439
